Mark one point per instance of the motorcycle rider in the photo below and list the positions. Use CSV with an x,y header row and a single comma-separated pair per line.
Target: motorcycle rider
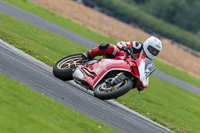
x,y
150,49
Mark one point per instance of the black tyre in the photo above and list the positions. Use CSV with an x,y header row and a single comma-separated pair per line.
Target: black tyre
x,y
63,68
105,93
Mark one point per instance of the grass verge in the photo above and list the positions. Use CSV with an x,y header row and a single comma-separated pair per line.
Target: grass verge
x,y
86,32
26,111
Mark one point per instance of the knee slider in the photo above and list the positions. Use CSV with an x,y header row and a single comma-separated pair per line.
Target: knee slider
x,y
104,46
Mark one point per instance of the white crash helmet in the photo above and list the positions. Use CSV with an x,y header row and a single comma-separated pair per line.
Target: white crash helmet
x,y
152,46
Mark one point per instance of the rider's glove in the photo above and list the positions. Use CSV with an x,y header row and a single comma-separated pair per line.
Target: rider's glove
x,y
127,49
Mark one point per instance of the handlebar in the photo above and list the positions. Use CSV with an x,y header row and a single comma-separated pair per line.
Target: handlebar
x,y
129,51
133,57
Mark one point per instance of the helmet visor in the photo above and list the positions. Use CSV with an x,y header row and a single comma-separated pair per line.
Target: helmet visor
x,y
153,50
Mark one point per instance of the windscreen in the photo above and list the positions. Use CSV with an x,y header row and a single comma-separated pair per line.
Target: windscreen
x,y
149,66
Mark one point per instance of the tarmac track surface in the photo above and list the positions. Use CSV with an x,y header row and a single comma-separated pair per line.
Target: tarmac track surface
x,y
39,22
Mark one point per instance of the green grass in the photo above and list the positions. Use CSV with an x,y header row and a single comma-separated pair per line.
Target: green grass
x,y
84,31
166,104
26,111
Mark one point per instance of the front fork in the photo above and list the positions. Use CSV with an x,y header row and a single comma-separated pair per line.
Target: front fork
x,y
117,79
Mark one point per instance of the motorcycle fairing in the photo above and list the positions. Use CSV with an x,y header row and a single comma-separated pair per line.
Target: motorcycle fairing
x,y
102,68
106,66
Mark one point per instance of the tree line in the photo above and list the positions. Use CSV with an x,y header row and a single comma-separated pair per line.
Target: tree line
x,y
183,13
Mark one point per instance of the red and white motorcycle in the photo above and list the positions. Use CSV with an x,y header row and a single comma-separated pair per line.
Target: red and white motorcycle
x,y
108,78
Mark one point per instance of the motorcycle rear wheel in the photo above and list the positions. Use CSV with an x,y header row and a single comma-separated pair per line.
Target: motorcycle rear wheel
x,y
115,91
63,68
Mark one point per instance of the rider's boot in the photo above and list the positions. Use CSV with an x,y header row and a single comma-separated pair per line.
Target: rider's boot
x,y
86,56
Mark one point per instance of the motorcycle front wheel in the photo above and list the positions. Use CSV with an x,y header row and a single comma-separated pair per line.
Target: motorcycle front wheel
x,y
105,92
63,68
